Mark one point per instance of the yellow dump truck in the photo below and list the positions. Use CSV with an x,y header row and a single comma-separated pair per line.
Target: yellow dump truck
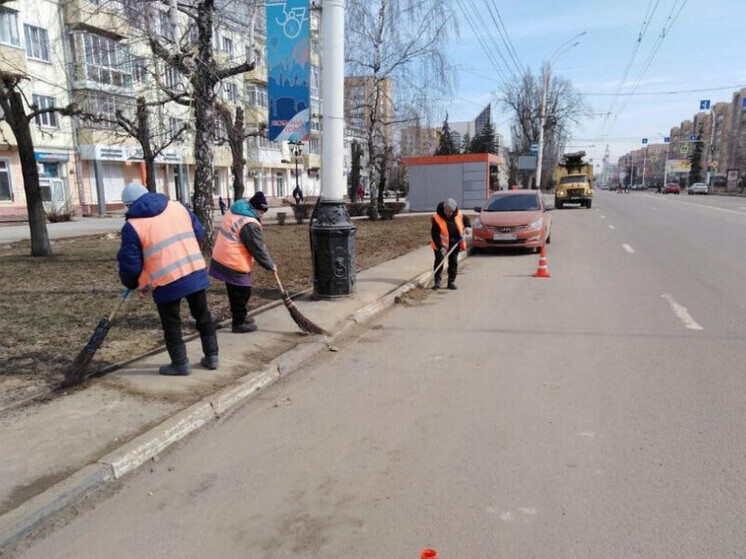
x,y
573,181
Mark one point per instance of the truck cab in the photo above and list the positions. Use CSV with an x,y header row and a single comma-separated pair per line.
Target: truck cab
x,y
573,180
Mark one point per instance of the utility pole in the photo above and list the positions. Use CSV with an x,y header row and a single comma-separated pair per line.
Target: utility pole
x,y
563,48
667,142
644,164
332,232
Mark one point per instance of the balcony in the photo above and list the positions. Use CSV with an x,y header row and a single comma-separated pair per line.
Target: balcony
x,y
107,17
255,115
257,75
12,60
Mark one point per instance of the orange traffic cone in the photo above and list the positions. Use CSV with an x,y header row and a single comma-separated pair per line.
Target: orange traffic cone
x,y
542,271
429,554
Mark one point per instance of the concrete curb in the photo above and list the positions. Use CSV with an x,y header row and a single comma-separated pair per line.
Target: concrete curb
x,y
127,458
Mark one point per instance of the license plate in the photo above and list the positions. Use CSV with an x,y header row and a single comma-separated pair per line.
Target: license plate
x,y
504,237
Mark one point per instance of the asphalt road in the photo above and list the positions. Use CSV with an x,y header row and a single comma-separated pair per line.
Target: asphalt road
x,y
596,414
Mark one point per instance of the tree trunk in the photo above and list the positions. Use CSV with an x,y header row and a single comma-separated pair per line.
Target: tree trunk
x,y
236,137
203,83
37,219
143,137
150,172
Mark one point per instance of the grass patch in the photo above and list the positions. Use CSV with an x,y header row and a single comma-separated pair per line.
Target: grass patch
x,y
51,305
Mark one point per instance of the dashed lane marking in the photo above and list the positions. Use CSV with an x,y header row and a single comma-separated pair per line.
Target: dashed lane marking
x,y
612,227
628,248
682,313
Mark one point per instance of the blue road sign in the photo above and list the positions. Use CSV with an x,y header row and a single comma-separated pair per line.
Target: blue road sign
x,y
704,105
644,141
743,103
693,138
666,139
534,148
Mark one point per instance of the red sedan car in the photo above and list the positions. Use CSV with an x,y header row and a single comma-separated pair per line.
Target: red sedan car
x,y
671,189
515,218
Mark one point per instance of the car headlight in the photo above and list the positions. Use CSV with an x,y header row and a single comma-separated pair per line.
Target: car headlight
x,y
535,225
560,193
478,223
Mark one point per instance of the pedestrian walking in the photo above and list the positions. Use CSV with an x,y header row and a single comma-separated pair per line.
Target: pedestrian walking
x,y
448,227
298,194
160,254
239,244
221,203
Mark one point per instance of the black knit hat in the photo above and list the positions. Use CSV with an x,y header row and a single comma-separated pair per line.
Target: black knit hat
x,y
259,202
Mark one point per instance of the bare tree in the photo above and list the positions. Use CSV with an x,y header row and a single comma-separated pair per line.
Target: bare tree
x,y
394,44
203,72
236,135
565,107
19,113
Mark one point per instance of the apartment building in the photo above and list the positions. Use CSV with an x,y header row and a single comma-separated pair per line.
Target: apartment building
x,y
361,94
31,44
94,53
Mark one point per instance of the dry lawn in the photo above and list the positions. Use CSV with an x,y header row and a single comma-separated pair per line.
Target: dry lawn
x,y
51,305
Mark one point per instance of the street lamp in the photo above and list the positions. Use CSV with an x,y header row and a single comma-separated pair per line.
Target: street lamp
x,y
563,48
296,148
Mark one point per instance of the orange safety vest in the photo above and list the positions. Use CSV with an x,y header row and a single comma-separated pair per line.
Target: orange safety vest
x,y
229,250
169,247
444,231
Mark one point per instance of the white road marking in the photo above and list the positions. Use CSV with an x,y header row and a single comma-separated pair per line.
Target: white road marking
x,y
628,249
742,207
603,217
682,313
726,210
612,227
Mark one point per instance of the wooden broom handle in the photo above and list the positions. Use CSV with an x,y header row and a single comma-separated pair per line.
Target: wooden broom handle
x,y
277,277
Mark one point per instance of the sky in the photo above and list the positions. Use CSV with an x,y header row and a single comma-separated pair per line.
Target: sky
x,y
703,49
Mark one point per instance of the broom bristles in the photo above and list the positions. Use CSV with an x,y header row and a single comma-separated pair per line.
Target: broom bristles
x,y
76,372
300,319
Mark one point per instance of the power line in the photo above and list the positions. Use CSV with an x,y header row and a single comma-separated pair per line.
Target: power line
x,y
504,36
477,34
640,36
489,37
675,92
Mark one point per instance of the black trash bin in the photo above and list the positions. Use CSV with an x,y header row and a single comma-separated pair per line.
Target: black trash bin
x,y
332,250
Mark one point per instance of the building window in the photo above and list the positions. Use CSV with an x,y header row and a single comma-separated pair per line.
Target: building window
x,y
48,120
256,96
280,182
37,42
139,70
9,28
165,26
314,81
172,77
177,128
6,192
260,26
102,60
227,45
104,108
231,91
314,146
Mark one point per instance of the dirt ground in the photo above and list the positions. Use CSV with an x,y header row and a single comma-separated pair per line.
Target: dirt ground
x,y
51,305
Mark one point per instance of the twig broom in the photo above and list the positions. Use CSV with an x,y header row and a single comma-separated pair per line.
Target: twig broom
x,y
439,266
303,323
76,372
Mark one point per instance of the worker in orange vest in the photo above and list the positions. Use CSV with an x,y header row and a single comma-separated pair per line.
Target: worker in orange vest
x,y
448,227
239,244
160,254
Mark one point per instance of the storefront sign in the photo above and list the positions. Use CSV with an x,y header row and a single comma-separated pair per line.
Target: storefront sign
x,y
48,157
288,69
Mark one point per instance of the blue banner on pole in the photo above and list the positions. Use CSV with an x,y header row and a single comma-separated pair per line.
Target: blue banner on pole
x,y
288,70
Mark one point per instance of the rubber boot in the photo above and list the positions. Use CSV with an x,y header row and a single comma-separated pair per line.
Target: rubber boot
x,y
244,328
179,365
210,349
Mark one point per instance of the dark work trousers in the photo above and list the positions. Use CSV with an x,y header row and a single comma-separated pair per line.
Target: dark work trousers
x,y
238,297
452,265
171,321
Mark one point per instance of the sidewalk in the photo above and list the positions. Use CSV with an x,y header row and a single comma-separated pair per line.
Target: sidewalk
x,y
55,451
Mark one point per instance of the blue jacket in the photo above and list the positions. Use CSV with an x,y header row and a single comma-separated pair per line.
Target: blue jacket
x,y
130,254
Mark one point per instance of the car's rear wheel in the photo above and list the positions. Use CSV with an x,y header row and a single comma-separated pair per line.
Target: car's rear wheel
x,y
588,204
